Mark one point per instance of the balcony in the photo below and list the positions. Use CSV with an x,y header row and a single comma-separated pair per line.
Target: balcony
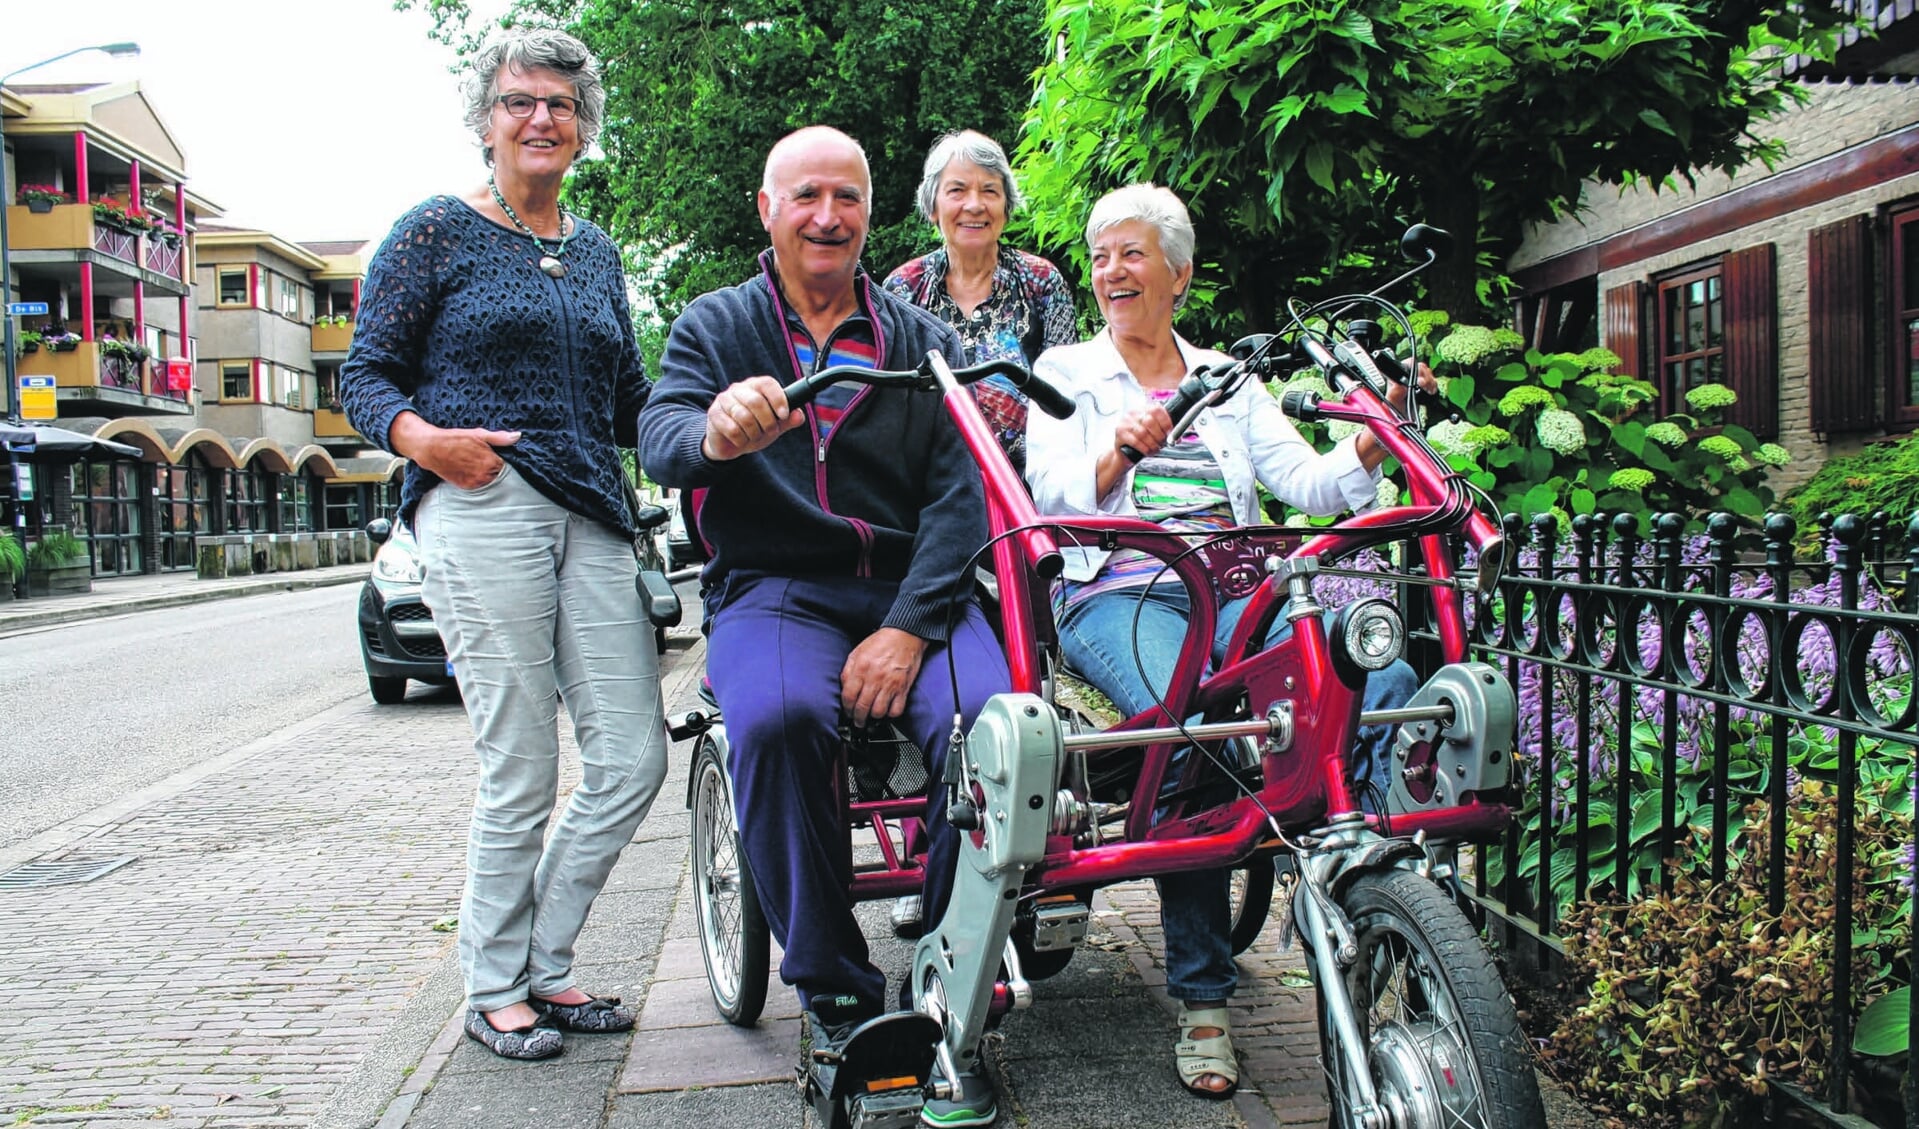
x,y
69,233
331,423
99,384
332,338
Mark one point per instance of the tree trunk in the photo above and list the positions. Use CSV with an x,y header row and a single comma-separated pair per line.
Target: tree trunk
x,y
1452,284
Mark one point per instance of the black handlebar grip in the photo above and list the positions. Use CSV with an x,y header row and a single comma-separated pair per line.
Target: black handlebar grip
x,y
800,393
1184,397
1300,404
1050,399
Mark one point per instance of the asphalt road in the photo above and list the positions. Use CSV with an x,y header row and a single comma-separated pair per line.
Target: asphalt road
x,y
93,710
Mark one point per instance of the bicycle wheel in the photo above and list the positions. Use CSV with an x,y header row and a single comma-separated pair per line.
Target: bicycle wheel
x,y
1251,900
1442,1042
733,934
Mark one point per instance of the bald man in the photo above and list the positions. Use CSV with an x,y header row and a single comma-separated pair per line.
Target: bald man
x,y
840,535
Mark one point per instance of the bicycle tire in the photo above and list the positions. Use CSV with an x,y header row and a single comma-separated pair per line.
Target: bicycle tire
x,y
1416,942
734,938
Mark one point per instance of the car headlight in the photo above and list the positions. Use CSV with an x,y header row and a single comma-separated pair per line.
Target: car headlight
x,y
1368,635
394,567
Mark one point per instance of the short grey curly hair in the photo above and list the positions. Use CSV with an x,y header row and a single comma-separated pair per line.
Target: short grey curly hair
x,y
965,145
1148,203
541,48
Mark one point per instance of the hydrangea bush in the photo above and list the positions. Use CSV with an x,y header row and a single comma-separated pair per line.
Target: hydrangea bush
x,y
1560,433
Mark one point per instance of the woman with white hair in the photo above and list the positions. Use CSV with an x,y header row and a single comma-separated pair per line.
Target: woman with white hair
x,y
1119,628
1006,304
495,350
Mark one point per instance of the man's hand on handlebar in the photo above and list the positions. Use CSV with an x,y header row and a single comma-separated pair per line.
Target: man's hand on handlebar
x,y
879,674
747,417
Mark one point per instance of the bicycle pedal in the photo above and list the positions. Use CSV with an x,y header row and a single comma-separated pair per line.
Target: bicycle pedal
x,y
1060,925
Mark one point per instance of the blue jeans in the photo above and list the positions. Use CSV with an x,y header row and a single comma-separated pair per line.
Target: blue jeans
x,y
1132,665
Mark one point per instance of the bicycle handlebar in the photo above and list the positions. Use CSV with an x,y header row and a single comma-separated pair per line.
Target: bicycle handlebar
x,y
1048,398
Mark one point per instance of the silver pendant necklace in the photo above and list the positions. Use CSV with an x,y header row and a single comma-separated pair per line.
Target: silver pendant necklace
x,y
549,260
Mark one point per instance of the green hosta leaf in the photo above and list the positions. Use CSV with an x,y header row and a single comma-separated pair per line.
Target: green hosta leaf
x,y
1885,1027
1511,373
1540,499
1459,389
1646,820
1582,501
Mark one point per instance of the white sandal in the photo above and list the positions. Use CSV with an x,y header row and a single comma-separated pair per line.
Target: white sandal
x,y
1196,1058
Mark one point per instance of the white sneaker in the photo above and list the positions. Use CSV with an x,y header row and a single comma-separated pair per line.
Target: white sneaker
x,y
907,925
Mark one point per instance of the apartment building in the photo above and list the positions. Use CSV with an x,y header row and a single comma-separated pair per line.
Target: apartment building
x,y
211,350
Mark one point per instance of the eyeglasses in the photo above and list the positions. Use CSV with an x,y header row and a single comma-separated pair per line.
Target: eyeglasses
x,y
559,107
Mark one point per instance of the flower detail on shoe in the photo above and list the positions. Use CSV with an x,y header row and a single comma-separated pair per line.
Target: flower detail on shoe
x,y
526,1044
597,1016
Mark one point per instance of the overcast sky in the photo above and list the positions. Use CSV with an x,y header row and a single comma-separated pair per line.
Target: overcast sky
x,y
312,120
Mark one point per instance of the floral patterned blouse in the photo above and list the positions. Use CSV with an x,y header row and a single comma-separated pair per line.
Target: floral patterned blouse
x,y
1029,311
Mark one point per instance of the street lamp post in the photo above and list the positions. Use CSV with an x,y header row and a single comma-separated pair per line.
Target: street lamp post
x,y
9,405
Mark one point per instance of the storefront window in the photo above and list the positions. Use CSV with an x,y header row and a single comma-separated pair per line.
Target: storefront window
x,y
106,496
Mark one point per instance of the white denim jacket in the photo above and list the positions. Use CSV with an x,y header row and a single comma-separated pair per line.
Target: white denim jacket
x,y
1251,438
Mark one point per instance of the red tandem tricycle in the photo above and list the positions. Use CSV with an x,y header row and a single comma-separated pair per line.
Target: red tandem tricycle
x,y
1416,1029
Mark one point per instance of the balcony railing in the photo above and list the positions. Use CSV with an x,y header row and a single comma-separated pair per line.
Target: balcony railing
x,y
332,338
331,423
89,366
112,241
168,258
73,227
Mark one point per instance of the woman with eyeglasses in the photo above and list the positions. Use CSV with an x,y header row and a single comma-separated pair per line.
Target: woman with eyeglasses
x,y
494,349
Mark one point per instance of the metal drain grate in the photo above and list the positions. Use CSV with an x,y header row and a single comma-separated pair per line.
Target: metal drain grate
x,y
60,872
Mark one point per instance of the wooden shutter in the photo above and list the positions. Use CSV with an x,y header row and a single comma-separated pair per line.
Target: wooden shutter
x,y
1752,339
1624,306
1839,368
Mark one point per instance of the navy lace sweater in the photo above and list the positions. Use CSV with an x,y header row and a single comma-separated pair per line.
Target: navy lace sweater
x,y
458,323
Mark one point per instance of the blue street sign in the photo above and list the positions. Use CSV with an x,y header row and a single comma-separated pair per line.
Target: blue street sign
x,y
25,309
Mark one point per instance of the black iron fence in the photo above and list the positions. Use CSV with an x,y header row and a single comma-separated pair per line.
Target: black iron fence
x,y
1687,701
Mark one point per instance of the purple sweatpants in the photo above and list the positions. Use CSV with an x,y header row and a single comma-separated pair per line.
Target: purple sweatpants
x,y
775,651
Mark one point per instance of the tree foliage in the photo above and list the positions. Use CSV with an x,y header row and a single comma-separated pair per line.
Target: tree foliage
x,y
1308,133
698,92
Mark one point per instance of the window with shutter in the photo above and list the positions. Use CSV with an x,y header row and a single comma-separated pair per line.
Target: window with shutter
x,y
1905,313
1690,342
1839,298
1623,305
1752,339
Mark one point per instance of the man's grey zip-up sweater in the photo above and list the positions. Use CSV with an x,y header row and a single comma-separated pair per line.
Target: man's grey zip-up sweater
x,y
890,493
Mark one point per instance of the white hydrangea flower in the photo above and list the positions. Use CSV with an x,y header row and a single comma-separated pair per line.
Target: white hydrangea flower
x,y
1560,430
1666,433
1448,437
1387,493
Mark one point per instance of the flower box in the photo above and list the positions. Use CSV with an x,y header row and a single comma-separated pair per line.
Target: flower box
x,y
42,198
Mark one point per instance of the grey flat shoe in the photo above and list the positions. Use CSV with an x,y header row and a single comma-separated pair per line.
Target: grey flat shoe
x,y
597,1016
526,1044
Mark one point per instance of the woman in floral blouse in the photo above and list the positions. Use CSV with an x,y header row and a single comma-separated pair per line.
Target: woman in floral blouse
x,y
1006,304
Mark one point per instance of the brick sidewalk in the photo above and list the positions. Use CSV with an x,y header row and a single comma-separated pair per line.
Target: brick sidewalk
x,y
277,912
